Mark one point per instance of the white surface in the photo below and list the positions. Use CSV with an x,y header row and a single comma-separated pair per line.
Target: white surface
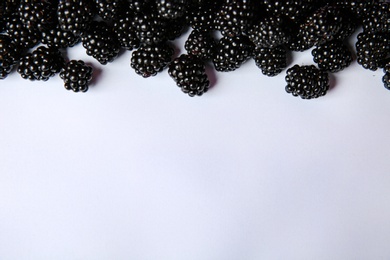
x,y
135,169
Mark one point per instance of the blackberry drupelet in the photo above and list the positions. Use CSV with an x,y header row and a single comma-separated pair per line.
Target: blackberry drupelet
x,y
386,77
148,60
76,75
109,9
172,9
235,17
372,49
125,32
59,38
189,73
8,55
322,25
40,14
200,44
232,52
306,81
150,27
377,19
75,15
21,35
269,32
271,61
100,42
332,56
41,64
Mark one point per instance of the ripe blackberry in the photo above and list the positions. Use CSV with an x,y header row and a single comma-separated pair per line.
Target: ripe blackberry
x,y
203,16
372,49
140,5
271,61
8,55
175,28
21,35
378,18
125,32
172,9
322,25
270,32
189,73
100,42
200,44
58,38
294,10
348,25
7,8
332,56
39,14
76,75
148,60
358,8
150,27
306,81
74,15
386,77
297,43
109,9
232,52
235,16
41,64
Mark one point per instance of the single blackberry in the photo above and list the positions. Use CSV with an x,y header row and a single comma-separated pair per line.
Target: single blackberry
x,y
322,25
8,55
58,38
100,42
125,32
386,77
41,64
21,35
306,81
232,52
40,14
200,44
7,8
271,61
270,32
172,9
150,27
358,8
203,16
294,10
297,43
109,9
140,5
332,56
148,60
74,15
189,73
377,19
76,75
372,49
235,16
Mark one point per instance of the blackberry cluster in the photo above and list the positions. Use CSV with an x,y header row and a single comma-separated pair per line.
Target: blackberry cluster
x,y
372,49
125,32
38,14
172,9
332,56
8,56
76,75
23,36
306,81
74,15
271,61
58,38
109,9
203,17
269,32
42,64
150,28
200,44
378,18
294,10
189,73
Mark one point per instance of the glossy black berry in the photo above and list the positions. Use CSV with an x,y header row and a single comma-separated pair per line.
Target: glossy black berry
x,y
307,81
200,44
41,64
76,75
109,9
21,35
332,56
75,15
148,60
189,73
125,32
378,18
58,38
295,10
100,42
203,16
38,14
150,27
140,5
372,49
271,61
172,9
8,55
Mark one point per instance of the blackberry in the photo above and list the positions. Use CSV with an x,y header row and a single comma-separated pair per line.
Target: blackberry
x,y
348,26
306,81
203,16
358,8
109,9
40,14
100,42
149,27
7,8
175,28
386,77
125,32
294,10
269,32
231,52
235,16
8,55
332,56
148,60
74,15
41,64
372,49
21,35
378,18
58,38
189,73
322,25
76,75
271,61
200,44
297,43
172,9
140,5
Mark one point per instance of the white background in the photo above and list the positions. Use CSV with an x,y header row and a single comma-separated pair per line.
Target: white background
x,y
135,169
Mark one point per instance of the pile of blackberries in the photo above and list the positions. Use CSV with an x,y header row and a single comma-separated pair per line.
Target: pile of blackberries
x,y
34,36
